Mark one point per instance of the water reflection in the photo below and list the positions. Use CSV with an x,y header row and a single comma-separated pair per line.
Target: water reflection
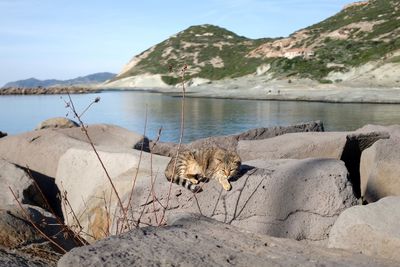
x,y
203,117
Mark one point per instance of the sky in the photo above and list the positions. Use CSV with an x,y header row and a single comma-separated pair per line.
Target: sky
x,y
64,39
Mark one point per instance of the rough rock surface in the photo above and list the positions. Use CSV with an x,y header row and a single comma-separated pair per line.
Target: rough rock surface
x,y
373,229
299,199
193,240
379,167
19,236
58,122
20,183
12,258
306,145
46,146
346,146
88,201
230,142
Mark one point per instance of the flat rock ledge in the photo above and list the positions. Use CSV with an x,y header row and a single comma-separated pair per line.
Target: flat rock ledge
x,y
193,240
230,142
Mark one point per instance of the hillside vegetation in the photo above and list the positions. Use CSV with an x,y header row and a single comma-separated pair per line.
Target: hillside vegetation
x,y
358,34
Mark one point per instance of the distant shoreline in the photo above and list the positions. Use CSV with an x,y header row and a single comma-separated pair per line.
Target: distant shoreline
x,y
323,93
47,90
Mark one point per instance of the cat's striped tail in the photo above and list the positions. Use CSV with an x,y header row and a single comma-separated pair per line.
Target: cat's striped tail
x,y
195,188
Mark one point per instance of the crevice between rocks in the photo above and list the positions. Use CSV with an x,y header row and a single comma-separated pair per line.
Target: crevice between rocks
x,y
351,155
50,190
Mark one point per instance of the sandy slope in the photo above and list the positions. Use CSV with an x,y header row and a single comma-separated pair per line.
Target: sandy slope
x,y
376,82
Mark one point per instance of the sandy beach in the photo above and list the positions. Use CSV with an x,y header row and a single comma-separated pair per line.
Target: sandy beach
x,y
258,87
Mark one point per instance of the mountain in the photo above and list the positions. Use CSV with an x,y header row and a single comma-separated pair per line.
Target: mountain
x,y
361,33
211,52
95,78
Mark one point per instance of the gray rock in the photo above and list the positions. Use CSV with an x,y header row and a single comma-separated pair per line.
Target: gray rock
x,y
18,235
199,241
21,184
40,150
58,122
299,199
230,142
306,145
82,164
346,146
17,259
379,167
373,229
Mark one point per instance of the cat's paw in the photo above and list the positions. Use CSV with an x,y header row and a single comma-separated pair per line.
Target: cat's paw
x,y
193,181
227,186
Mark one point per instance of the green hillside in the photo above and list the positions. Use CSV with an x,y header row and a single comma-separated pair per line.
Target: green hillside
x,y
210,52
356,35
357,46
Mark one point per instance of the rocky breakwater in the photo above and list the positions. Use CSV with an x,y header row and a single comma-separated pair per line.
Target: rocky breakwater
x,y
285,201
46,90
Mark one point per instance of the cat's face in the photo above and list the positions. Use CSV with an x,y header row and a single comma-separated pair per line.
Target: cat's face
x,y
228,163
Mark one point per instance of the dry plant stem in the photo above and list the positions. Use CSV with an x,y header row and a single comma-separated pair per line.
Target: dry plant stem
x,y
151,154
144,206
34,225
77,239
72,211
216,203
197,203
99,158
138,166
107,230
180,137
153,194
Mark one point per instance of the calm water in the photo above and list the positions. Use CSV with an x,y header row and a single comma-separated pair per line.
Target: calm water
x,y
203,117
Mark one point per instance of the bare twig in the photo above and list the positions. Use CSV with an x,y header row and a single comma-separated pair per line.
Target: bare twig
x,y
147,202
34,225
83,127
183,71
129,205
216,203
80,241
237,214
66,201
197,203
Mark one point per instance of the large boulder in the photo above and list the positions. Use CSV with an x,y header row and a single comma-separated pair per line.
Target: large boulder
x,y
346,146
40,150
58,122
193,240
373,229
22,185
306,145
379,167
299,199
81,165
19,235
230,142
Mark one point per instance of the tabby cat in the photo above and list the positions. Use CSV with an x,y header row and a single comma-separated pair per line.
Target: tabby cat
x,y
200,165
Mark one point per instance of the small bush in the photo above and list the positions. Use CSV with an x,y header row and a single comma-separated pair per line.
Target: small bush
x,y
170,80
325,81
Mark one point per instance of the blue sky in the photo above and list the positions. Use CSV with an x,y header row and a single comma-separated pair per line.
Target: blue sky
x,y
64,39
